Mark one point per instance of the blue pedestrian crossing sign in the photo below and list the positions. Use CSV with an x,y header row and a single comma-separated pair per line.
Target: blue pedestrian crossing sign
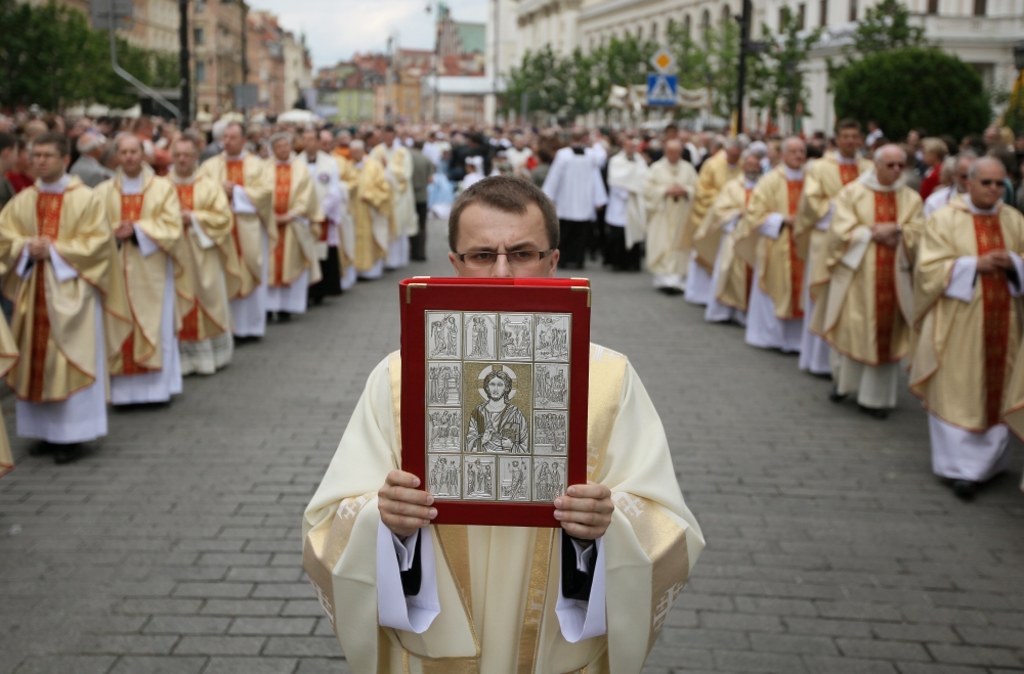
x,y
661,90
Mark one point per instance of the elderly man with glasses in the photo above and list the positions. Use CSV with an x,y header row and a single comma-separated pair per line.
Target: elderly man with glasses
x,y
862,318
627,540
967,301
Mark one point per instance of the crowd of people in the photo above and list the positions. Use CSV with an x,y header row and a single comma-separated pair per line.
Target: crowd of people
x,y
138,253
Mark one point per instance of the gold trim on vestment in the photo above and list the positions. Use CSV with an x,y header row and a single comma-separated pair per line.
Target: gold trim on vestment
x,y
536,598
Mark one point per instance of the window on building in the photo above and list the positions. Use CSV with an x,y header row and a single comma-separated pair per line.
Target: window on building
x,y
980,7
654,31
801,15
782,17
670,27
933,6
686,26
705,23
198,36
823,13
726,14
200,6
853,10
200,71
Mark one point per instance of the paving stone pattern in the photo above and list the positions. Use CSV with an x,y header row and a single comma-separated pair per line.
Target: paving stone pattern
x,y
174,546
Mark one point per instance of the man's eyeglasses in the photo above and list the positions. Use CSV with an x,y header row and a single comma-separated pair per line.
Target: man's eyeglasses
x,y
45,155
484,259
989,182
895,164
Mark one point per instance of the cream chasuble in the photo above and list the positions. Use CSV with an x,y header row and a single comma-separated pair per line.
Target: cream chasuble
x,y
346,225
55,319
666,219
498,585
862,317
8,357
210,260
965,355
630,176
253,214
779,267
735,275
397,162
715,173
155,210
370,201
295,250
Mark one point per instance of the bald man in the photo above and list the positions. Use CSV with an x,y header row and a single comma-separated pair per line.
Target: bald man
x,y
668,195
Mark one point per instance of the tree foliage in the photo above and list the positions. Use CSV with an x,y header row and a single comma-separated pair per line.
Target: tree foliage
x,y
1013,117
885,26
778,84
710,62
50,57
913,88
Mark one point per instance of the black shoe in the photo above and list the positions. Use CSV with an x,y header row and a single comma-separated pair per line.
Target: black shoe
x,y
41,448
835,396
66,454
876,412
670,291
964,489
283,317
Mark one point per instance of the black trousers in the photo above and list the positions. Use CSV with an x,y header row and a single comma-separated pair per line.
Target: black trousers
x,y
330,284
615,253
418,243
572,247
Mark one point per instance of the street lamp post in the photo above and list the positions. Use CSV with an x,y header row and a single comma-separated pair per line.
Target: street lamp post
x,y
1018,54
741,75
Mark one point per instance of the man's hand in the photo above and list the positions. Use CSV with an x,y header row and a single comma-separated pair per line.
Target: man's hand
x,y
994,261
585,510
124,230
283,218
229,187
788,221
404,507
186,219
39,248
886,234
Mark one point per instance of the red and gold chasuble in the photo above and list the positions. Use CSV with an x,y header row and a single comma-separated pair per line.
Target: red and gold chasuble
x,y
236,175
796,265
885,279
848,173
131,210
282,192
190,323
48,207
995,295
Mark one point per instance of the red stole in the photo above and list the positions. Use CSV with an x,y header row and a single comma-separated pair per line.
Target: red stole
x,y
131,210
885,279
995,296
282,192
750,270
848,173
48,207
190,323
796,266
236,175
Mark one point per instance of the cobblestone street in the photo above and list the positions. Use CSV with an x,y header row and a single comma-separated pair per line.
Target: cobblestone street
x,y
174,544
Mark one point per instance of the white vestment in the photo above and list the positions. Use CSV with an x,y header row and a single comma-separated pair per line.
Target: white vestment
x,y
815,353
249,314
699,289
765,329
716,312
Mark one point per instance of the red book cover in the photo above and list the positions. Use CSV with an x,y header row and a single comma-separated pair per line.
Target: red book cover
x,y
495,378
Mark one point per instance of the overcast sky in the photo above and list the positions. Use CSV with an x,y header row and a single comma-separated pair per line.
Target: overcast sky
x,y
335,29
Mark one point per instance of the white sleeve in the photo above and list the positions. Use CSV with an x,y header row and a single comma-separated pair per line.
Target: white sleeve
x,y
772,226
860,239
61,269
240,202
961,281
24,266
1018,265
205,242
146,245
579,619
823,224
730,224
413,613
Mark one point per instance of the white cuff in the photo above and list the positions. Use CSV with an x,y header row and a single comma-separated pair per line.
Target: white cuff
x,y
826,222
961,280
240,202
406,550
860,239
61,269
579,619
24,266
1018,265
730,224
413,613
583,554
204,241
146,245
772,226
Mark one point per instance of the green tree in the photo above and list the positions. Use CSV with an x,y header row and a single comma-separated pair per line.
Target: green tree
x,y
913,88
711,63
885,26
1013,117
777,82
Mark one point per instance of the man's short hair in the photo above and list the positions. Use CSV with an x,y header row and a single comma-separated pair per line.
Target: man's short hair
x,y
89,141
187,137
507,194
847,123
503,376
57,140
7,140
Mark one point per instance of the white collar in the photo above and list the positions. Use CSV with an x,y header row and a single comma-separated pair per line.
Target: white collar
x,y
793,174
132,185
182,180
981,211
57,187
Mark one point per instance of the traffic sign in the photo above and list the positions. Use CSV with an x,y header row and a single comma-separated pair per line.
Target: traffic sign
x,y
663,61
661,90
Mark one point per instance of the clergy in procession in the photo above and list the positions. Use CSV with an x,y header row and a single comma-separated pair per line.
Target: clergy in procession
x,y
293,261
59,260
825,177
626,215
764,239
731,276
248,184
397,162
943,196
346,224
143,212
967,289
860,315
668,195
719,169
332,200
405,595
211,260
370,205
575,185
